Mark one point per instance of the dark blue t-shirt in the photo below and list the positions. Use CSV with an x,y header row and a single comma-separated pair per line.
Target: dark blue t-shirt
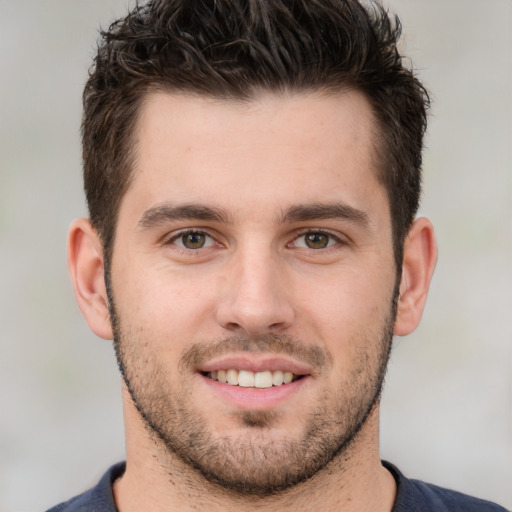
x,y
412,496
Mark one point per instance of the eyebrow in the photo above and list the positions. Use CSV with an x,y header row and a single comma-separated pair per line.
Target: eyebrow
x,y
168,212
300,213
321,211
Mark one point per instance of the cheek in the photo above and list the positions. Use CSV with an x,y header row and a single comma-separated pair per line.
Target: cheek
x,y
348,298
166,305
348,315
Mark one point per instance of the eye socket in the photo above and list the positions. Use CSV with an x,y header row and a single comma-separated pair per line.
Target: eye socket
x,y
192,240
315,240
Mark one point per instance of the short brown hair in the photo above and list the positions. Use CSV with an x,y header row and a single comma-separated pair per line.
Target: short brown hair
x,y
230,49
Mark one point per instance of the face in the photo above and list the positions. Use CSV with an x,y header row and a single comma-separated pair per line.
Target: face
x,y
252,283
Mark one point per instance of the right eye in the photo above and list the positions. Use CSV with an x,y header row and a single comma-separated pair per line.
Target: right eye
x,y
192,240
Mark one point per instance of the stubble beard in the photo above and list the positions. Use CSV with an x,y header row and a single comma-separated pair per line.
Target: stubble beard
x,y
252,463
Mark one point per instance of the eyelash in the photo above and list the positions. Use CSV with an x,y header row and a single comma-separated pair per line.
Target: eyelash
x,y
332,240
172,240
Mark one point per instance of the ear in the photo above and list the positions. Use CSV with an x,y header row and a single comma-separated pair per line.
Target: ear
x,y
86,267
420,257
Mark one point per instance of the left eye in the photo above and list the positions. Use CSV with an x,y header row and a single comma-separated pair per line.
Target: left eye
x,y
314,240
193,240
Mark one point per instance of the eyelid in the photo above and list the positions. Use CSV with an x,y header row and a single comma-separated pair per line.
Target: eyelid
x,y
171,238
336,237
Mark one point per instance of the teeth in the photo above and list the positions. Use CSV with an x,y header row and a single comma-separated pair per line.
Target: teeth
x,y
247,379
287,377
232,377
263,380
277,378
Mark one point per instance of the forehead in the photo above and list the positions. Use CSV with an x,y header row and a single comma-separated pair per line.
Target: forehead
x,y
274,149
325,114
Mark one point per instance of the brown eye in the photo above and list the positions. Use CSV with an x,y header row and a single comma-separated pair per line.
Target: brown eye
x,y
193,240
316,240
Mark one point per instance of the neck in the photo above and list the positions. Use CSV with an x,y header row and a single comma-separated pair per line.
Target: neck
x,y
156,480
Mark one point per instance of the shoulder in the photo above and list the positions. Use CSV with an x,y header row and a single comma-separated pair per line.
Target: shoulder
x,y
97,499
453,501
418,496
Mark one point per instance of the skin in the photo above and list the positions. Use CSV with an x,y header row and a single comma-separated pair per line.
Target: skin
x,y
260,166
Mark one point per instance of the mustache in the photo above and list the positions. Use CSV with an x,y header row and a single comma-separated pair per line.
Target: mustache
x,y
200,353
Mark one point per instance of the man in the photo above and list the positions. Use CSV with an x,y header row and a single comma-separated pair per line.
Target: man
x,y
252,171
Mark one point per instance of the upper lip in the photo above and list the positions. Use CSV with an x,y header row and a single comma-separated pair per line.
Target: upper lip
x,y
256,363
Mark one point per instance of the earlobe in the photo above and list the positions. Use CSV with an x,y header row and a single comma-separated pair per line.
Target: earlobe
x,y
420,256
86,268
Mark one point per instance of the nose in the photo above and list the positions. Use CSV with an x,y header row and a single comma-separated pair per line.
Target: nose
x,y
255,298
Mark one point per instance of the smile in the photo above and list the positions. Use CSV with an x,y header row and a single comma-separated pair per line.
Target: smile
x,y
248,379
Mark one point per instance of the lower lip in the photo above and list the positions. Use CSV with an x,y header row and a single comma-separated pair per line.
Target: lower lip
x,y
254,399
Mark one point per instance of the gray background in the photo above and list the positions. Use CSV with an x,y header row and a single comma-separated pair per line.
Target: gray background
x,y
447,414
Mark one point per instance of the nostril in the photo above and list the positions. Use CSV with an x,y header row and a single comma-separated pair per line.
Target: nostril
x,y
233,326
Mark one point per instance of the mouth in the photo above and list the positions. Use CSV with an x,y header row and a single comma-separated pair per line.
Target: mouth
x,y
255,381
248,379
